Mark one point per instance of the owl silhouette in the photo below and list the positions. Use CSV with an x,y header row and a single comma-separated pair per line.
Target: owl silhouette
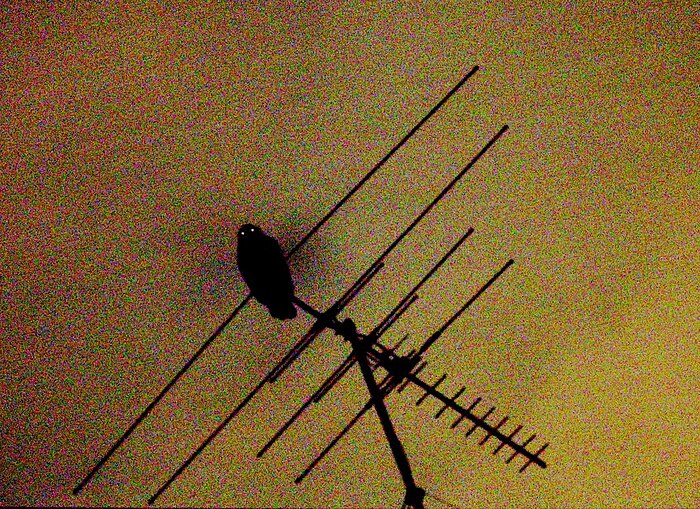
x,y
264,268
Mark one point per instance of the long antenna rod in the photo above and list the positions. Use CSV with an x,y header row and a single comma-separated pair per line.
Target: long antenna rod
x,y
435,335
160,396
245,301
384,324
385,159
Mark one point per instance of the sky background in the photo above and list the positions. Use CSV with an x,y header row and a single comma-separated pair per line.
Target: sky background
x,y
137,138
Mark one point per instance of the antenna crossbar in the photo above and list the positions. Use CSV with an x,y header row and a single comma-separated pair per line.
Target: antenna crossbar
x,y
480,422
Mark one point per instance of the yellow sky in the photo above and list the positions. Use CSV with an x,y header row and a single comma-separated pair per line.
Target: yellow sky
x,y
139,136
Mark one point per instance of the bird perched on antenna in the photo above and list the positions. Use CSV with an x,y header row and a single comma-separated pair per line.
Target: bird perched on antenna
x,y
264,269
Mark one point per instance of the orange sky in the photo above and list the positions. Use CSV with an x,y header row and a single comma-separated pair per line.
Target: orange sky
x,y
138,137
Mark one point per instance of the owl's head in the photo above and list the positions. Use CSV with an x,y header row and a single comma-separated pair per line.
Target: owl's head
x,y
248,230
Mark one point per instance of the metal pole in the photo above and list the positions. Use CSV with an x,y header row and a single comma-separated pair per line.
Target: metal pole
x,y
414,494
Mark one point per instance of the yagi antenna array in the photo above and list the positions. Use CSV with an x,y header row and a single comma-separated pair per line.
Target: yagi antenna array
x,y
370,354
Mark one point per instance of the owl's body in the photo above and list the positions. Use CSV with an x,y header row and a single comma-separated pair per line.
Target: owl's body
x,y
264,269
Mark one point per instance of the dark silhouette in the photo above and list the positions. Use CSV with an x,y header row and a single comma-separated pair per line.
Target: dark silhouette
x,y
264,269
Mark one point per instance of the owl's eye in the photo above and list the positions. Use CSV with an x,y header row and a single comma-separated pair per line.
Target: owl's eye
x,y
247,229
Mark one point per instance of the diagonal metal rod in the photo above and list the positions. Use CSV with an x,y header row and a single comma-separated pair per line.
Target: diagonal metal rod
x,y
381,328
245,301
160,396
339,372
395,315
442,193
386,387
318,327
386,157
206,442
435,335
414,494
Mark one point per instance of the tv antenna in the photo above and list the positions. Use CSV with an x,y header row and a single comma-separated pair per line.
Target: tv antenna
x,y
368,353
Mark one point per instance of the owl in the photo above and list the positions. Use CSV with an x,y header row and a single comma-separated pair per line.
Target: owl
x,y
264,269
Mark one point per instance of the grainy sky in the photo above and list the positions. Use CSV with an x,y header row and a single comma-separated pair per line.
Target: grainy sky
x,y
137,137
